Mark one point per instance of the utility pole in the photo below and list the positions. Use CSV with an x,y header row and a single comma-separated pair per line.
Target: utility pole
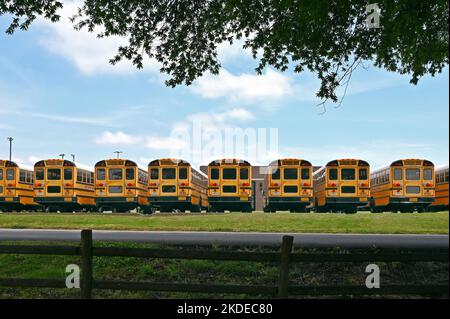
x,y
118,153
62,155
10,139
73,157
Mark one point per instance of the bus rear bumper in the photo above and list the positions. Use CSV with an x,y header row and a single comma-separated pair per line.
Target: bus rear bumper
x,y
350,204
232,203
406,204
120,203
9,200
171,203
296,203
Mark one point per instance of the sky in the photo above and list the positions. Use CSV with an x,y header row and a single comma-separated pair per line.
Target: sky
x,y
59,95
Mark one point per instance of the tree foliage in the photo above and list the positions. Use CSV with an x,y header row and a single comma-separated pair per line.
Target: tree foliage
x,y
327,37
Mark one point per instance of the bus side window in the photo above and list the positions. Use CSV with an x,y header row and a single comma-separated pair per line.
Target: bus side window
x,y
1,174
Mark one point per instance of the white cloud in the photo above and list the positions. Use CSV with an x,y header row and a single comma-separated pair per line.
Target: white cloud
x,y
247,87
117,138
88,53
165,143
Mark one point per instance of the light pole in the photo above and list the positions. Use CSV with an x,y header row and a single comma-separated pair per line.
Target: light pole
x,y
73,157
62,155
10,139
118,153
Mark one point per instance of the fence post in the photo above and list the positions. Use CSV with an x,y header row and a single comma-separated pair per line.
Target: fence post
x,y
86,262
283,282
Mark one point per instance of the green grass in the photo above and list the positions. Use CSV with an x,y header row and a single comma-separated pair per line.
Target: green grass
x,y
200,272
363,223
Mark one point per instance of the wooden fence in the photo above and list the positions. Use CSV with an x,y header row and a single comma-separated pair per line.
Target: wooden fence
x,y
285,257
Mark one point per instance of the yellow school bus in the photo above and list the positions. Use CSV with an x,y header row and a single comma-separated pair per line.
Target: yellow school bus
x,y
60,185
175,185
342,185
288,185
121,186
16,187
441,196
230,185
405,185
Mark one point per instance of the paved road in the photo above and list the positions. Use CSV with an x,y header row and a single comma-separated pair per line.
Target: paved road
x,y
230,238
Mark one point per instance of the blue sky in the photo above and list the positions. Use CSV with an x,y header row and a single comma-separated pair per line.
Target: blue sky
x,y
58,94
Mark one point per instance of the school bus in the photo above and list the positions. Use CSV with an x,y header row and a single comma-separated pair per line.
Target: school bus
x,y
121,186
406,185
60,185
16,187
230,185
175,185
441,192
342,185
288,185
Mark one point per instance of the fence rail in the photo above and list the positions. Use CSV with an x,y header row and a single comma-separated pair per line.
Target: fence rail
x,y
285,258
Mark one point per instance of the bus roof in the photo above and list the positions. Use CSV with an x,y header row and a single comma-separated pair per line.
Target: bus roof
x,y
337,161
64,163
301,162
229,161
8,163
169,161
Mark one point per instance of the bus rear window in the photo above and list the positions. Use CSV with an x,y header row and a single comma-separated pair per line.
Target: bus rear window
x,y
115,174
169,189
348,174
68,174
427,174
333,174
168,173
215,173
348,189
10,174
182,173
53,189
305,173
229,189
398,174
276,173
40,174
290,189
290,173
54,174
363,174
129,173
413,189
412,174
229,173
115,189
243,173
101,174
154,173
